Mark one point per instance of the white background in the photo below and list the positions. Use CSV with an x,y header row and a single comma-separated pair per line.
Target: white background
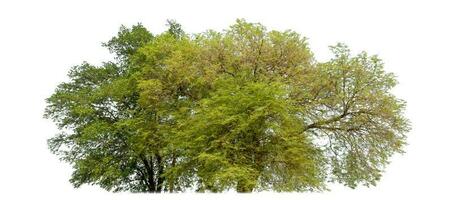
x,y
41,40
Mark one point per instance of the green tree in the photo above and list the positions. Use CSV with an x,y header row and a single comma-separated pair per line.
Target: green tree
x,y
245,109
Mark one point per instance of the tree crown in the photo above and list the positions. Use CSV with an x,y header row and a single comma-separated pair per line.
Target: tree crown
x,y
245,108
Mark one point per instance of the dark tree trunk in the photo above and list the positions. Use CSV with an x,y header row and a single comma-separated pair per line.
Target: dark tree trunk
x,y
160,171
149,166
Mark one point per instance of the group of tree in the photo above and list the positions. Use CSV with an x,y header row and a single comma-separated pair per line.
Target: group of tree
x,y
246,108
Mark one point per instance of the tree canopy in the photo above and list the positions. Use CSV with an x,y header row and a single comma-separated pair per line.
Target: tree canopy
x,y
246,108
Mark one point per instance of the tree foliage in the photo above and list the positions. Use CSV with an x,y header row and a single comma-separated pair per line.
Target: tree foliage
x,y
246,109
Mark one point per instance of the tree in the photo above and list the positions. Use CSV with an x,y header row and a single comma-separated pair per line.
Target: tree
x,y
245,109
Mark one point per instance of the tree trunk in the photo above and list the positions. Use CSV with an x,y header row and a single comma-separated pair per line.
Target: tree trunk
x,y
149,166
160,171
